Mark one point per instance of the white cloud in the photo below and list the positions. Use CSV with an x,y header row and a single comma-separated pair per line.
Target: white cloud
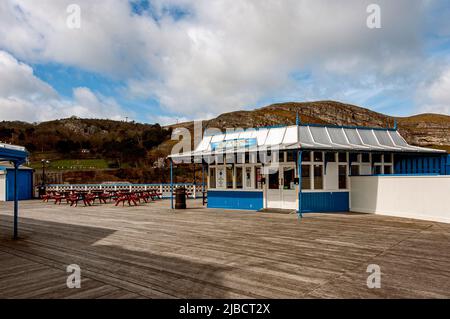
x,y
24,96
435,96
17,80
225,55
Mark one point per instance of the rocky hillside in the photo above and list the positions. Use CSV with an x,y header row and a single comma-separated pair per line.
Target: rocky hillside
x,y
430,130
86,138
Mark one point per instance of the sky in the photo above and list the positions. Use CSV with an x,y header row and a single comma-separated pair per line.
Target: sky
x,y
166,61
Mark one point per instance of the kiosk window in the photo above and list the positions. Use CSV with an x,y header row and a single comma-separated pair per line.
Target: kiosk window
x,y
318,157
212,177
342,157
318,177
377,170
388,158
388,169
274,180
330,157
376,158
229,177
342,176
306,176
365,158
258,178
355,170
290,156
248,177
306,157
354,157
239,177
288,178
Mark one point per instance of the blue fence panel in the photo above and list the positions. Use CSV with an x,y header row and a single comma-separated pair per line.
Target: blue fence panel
x,y
423,165
235,200
24,184
447,166
325,202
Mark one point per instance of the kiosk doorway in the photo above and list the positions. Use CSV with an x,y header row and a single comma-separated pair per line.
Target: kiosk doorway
x,y
281,191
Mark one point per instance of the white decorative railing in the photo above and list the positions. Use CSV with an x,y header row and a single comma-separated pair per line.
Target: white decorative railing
x,y
164,189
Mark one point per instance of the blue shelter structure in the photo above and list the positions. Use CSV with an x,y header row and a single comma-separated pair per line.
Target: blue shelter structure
x,y
303,167
17,155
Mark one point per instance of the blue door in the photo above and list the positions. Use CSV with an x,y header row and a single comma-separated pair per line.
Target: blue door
x,y
24,184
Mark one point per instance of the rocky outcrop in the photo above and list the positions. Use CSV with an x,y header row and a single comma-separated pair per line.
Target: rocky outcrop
x,y
431,130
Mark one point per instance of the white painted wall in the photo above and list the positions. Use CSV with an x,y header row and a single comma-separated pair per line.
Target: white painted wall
x,y
2,186
419,197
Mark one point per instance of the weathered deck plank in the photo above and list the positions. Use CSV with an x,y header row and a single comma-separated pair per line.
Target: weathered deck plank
x,y
152,252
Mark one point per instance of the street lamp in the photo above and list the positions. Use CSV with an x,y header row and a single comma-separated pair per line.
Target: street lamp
x,y
42,189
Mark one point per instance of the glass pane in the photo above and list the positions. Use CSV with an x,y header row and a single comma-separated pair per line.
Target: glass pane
x,y
229,177
212,177
240,158
306,156
388,158
290,157
342,157
239,177
377,170
388,169
365,158
258,178
376,158
274,182
219,159
355,170
318,157
306,176
342,176
220,177
288,178
253,158
354,157
330,157
248,177
229,157
318,177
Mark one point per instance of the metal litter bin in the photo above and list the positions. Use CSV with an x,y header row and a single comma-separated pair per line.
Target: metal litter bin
x,y
180,198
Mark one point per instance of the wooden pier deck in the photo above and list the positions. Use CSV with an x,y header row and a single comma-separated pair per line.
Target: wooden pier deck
x,y
150,251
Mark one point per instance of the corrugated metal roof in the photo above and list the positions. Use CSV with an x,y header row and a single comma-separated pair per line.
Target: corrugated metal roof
x,y
12,147
310,137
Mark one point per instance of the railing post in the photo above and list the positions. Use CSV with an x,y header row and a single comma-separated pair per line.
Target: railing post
x,y
203,183
171,184
299,163
16,203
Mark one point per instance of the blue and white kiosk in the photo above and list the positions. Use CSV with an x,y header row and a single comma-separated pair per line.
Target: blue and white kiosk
x,y
17,155
305,168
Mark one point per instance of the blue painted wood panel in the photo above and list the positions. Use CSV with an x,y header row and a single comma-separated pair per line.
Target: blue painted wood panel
x,y
235,200
320,202
24,184
410,165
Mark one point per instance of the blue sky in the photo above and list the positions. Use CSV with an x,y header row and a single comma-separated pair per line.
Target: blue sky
x,y
173,60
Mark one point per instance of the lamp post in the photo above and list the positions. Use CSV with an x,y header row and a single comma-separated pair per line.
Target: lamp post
x,y
42,189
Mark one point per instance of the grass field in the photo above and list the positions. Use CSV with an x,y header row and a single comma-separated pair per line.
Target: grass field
x,y
74,164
